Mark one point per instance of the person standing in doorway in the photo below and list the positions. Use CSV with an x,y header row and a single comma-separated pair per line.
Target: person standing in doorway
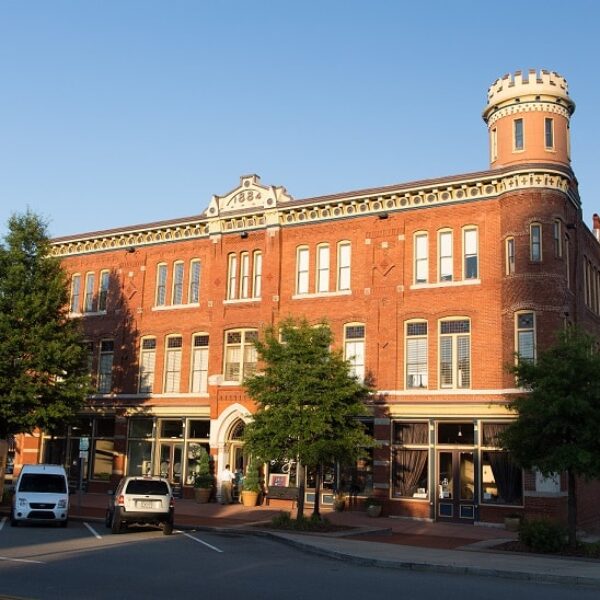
x,y
226,485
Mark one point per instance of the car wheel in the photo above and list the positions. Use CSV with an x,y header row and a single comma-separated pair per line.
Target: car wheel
x,y
108,518
167,527
117,524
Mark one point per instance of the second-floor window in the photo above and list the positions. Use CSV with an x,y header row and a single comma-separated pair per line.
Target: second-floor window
x,y
344,258
240,354
535,242
75,293
549,133
525,336
421,258
416,355
302,258
257,275
173,364
103,291
105,365
455,353
200,364
354,349
147,365
510,255
244,276
519,142
161,285
445,256
194,294
557,235
177,283
471,262
88,300
323,268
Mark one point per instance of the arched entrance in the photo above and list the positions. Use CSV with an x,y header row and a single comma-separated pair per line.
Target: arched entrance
x,y
236,446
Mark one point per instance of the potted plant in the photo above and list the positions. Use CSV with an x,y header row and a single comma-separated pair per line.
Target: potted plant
x,y
203,479
339,501
251,485
373,506
512,522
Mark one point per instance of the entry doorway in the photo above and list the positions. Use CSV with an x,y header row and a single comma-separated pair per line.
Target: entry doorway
x,y
171,462
455,494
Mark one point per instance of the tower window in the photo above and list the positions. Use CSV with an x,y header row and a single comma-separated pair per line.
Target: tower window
x,y
549,133
519,142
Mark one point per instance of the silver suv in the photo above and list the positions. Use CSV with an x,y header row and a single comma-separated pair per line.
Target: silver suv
x,y
141,500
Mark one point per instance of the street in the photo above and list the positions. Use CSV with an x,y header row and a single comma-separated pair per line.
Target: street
x,y
86,561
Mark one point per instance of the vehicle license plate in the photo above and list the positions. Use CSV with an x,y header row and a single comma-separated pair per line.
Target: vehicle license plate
x,y
145,504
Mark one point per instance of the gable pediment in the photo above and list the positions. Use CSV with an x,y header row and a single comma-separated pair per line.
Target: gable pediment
x,y
248,196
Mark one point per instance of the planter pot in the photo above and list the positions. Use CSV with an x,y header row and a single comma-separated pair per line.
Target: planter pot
x,y
512,523
201,495
249,498
373,511
339,505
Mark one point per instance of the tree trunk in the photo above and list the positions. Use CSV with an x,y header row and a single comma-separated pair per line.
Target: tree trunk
x,y
300,503
572,508
316,512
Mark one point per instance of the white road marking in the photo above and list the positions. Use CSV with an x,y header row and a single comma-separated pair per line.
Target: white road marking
x,y
23,560
94,532
2,521
202,542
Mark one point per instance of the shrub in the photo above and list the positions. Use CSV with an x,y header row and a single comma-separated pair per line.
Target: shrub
x,y
542,536
313,523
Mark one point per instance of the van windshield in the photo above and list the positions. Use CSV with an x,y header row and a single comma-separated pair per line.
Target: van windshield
x,y
43,483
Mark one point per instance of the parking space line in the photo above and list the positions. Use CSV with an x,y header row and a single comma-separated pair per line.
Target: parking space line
x,y
2,521
202,542
23,560
94,532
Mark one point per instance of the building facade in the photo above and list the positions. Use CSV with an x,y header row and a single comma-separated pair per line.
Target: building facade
x,y
430,288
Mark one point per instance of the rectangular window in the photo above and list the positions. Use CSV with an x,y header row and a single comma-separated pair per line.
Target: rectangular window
x,y
194,295
535,242
510,256
200,364
147,365
416,355
244,275
471,262
549,133
323,268
75,293
88,301
240,354
525,336
445,254
410,460
161,285
567,262
177,283
257,275
518,134
494,145
232,277
302,258
455,354
103,292
557,236
421,258
105,365
354,350
344,254
173,364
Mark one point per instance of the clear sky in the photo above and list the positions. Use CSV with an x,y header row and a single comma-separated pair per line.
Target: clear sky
x,y
118,112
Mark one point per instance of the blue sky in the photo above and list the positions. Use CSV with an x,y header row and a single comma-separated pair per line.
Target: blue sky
x,y
120,112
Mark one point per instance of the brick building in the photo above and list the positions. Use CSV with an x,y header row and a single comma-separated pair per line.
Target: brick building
x,y
430,287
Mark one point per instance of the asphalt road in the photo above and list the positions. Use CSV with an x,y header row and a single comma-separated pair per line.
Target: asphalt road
x,y
86,561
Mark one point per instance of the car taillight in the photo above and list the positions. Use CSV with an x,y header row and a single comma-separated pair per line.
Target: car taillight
x,y
121,500
172,503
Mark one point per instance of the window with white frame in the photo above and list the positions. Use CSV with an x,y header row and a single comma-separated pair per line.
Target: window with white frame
x,y
173,364
557,237
103,291
354,349
445,255
161,285
535,242
493,144
232,277
416,355
147,365
88,300
240,354
257,275
344,266
199,384
75,293
194,292
410,458
323,268
105,365
244,275
421,257
470,253
518,135
525,336
455,353
549,133
510,255
177,297
302,265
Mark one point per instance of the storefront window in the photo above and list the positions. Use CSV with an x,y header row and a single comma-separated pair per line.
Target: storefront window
x,y
139,448
410,460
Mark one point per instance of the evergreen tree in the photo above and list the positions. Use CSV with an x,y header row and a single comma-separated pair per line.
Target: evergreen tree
x,y
308,403
558,420
43,362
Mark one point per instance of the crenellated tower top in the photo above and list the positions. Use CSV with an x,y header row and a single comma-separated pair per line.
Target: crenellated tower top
x,y
528,116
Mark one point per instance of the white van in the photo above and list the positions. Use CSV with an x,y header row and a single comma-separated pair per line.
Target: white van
x,y
41,494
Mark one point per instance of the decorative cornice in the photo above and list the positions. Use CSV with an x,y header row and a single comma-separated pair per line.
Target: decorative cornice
x,y
524,107
287,212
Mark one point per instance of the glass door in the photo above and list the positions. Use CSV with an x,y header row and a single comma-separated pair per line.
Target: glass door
x,y
456,486
171,462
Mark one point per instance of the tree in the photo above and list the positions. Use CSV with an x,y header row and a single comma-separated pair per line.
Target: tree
x,y
558,420
308,403
43,362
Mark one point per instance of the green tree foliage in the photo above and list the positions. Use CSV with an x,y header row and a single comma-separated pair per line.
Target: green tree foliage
x,y
558,419
308,403
43,362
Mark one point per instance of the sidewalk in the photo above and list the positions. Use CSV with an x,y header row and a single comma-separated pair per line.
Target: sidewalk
x,y
384,542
